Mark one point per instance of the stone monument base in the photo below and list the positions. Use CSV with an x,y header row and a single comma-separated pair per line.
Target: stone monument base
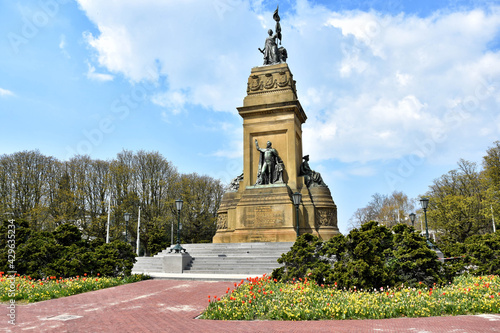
x,y
261,213
266,214
319,212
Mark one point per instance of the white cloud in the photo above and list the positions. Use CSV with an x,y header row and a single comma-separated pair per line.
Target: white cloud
x,y
5,92
233,152
92,75
403,79
372,84
401,83
203,48
62,46
173,101
363,171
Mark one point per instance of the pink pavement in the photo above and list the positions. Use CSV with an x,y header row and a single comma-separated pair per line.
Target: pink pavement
x,y
173,305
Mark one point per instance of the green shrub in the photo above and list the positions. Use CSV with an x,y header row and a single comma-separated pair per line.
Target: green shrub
x,y
478,255
369,257
64,253
361,257
68,234
36,256
483,252
114,259
413,261
303,260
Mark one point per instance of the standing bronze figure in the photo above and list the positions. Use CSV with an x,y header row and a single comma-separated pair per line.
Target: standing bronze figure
x,y
273,54
271,166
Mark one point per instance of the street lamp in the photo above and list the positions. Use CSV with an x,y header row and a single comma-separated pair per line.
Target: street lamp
x,y
172,233
296,197
126,216
425,203
412,219
178,248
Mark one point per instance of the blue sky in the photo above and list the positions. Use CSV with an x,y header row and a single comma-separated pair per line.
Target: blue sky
x,y
396,92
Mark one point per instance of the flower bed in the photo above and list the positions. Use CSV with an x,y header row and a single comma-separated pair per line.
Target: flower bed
x,y
32,290
266,299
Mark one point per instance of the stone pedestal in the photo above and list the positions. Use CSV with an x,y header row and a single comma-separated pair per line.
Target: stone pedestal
x,y
265,213
325,213
175,262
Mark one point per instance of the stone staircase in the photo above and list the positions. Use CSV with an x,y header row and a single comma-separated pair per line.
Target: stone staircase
x,y
222,258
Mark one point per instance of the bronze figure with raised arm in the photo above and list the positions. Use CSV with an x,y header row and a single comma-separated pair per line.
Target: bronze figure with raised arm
x,y
270,165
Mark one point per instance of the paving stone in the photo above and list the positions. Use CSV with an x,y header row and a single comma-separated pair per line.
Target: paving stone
x,y
173,305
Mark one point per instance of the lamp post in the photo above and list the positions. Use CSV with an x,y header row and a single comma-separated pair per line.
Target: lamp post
x,y
126,216
178,248
425,203
138,242
296,197
412,219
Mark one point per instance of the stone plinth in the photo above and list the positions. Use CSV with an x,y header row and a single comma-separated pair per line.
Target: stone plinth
x,y
265,213
175,262
325,213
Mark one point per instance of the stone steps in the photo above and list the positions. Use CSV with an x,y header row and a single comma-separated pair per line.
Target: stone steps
x,y
238,249
148,264
225,258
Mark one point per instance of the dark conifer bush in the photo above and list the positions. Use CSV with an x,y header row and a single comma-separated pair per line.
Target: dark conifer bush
x,y
372,256
63,253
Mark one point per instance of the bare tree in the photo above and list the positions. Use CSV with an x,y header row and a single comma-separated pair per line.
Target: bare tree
x,y
387,210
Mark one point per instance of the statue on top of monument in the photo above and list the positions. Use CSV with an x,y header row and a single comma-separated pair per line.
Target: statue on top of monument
x,y
271,166
273,54
311,177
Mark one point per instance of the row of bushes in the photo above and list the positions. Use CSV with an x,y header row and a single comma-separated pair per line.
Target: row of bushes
x,y
375,256
478,255
61,253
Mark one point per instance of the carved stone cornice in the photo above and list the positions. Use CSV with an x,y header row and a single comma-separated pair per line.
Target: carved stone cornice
x,y
274,108
271,82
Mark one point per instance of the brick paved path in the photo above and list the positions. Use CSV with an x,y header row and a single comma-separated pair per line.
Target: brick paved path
x,y
173,305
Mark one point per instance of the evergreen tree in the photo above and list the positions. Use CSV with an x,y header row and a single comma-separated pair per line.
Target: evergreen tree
x,y
372,256
360,259
411,260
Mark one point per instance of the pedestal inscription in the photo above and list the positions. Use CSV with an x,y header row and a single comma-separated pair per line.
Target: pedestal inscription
x,y
263,216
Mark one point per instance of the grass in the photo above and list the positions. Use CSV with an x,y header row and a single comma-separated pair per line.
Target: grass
x,y
267,299
24,288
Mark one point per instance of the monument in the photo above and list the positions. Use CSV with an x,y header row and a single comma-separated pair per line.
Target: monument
x,y
258,206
